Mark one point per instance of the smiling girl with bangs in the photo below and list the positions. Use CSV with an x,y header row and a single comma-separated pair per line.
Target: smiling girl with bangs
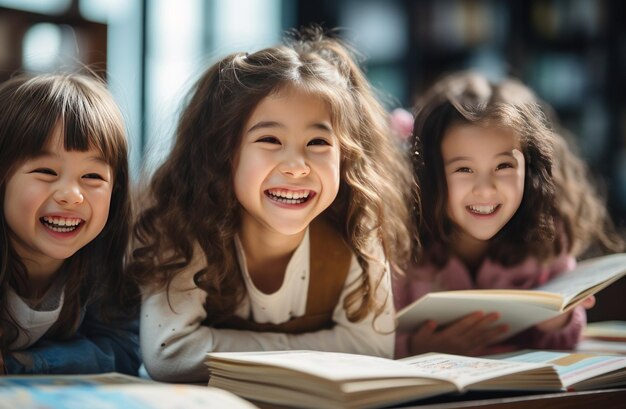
x,y
67,306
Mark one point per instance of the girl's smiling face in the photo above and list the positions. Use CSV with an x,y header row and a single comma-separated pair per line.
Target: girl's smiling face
x,y
485,170
57,202
287,169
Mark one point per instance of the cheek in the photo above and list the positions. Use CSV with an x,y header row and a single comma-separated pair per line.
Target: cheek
x,y
249,171
26,197
456,188
244,165
331,171
100,200
335,173
516,184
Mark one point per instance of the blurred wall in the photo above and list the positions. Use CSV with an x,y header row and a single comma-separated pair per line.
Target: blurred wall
x,y
571,52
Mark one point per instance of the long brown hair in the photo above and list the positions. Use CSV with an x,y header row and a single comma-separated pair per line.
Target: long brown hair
x,y
32,106
554,216
192,198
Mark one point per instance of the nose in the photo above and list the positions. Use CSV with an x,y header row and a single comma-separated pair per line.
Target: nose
x,y
294,166
484,186
68,194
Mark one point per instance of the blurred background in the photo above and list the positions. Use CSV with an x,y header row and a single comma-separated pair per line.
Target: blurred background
x,y
571,52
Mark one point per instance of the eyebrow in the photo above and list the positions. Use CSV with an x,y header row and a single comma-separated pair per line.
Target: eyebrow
x,y
47,154
508,154
273,124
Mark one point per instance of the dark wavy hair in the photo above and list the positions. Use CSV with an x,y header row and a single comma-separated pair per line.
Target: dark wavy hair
x,y
191,195
32,107
559,210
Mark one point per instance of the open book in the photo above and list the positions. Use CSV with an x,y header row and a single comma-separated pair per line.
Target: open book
x,y
109,391
520,309
313,379
578,371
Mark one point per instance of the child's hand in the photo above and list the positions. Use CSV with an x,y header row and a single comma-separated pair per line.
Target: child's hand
x,y
562,320
468,334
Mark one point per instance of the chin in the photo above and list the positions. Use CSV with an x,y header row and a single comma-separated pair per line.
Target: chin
x,y
290,231
482,236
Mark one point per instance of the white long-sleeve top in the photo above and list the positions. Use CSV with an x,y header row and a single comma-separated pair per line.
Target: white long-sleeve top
x,y
34,322
174,342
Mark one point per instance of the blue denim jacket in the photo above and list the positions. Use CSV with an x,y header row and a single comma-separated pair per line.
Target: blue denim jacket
x,y
96,348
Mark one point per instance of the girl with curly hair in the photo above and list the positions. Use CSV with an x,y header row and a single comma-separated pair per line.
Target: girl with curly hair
x,y
272,223
505,204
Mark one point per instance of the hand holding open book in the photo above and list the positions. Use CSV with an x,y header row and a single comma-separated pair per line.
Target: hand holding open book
x,y
519,309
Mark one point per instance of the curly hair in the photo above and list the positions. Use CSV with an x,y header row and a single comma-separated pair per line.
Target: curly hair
x,y
32,107
554,215
587,224
191,195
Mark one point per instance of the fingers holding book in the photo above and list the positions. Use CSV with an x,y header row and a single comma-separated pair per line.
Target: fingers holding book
x,y
465,336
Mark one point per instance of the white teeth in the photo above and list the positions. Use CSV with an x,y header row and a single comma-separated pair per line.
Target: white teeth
x,y
482,209
287,196
61,224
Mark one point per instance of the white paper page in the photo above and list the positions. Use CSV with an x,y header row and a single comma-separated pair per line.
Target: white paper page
x,y
464,371
518,316
330,365
573,368
587,274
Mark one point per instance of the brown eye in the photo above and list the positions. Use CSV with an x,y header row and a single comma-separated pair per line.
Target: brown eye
x,y
269,139
45,171
318,142
93,176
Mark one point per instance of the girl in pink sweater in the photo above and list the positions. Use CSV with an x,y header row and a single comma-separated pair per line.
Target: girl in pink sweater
x,y
504,204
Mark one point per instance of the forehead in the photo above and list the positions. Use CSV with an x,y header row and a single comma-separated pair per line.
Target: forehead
x,y
291,106
475,140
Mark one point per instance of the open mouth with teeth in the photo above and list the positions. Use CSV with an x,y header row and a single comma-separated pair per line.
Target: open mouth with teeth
x,y
61,224
483,210
289,197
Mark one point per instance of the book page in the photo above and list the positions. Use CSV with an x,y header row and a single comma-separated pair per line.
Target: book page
x,y
517,313
464,371
606,330
321,379
600,346
588,274
572,368
333,366
520,309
